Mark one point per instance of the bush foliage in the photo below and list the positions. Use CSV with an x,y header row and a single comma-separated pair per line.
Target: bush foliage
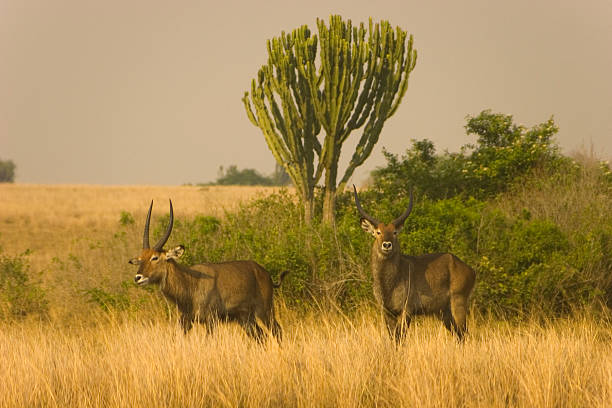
x,y
7,171
19,296
251,177
504,153
524,261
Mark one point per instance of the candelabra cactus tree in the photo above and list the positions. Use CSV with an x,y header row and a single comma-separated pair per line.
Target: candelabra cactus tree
x,y
360,81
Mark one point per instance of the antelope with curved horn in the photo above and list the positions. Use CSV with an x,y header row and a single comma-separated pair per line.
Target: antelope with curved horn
x,y
240,291
406,285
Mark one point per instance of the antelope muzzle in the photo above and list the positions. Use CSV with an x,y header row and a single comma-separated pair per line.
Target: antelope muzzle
x,y
140,280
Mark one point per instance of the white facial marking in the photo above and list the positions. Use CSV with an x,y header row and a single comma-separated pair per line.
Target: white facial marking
x,y
141,280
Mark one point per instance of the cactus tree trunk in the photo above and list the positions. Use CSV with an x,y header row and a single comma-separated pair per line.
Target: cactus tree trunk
x,y
329,206
329,196
308,202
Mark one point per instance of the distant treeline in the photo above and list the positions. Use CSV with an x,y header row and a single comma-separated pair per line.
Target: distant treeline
x,y
7,171
232,176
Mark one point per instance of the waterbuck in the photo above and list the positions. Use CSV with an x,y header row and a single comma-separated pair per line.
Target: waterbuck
x,y
405,285
238,291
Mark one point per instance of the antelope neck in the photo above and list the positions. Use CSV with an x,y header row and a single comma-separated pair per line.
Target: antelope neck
x,y
384,272
176,283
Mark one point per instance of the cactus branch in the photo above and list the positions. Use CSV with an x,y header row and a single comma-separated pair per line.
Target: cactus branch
x,y
360,82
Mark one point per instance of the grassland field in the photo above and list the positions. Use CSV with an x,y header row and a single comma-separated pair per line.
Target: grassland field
x,y
70,230
84,357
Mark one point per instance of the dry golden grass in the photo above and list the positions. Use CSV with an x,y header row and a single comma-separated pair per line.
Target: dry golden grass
x,y
569,201
41,217
324,360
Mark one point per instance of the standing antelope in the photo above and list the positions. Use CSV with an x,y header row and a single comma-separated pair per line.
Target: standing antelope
x,y
238,291
409,285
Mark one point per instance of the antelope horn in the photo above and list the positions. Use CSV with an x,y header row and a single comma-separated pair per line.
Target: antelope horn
x,y
400,220
363,213
162,241
145,238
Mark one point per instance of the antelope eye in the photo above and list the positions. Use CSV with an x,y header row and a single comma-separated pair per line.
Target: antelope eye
x,y
154,258
394,232
378,232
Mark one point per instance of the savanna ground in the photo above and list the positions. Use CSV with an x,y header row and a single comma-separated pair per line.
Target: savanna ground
x,y
72,234
83,356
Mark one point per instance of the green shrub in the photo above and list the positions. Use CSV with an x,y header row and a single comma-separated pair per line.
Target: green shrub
x,y
107,300
504,153
531,264
522,263
435,176
231,176
322,262
124,297
244,177
7,171
544,243
126,218
19,296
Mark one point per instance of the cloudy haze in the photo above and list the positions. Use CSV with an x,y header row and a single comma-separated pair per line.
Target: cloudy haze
x,y
149,92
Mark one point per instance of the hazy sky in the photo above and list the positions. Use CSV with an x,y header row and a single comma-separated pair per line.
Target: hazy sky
x,y
149,92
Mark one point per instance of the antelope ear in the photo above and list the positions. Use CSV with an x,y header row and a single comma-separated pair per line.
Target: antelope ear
x,y
368,226
135,261
176,252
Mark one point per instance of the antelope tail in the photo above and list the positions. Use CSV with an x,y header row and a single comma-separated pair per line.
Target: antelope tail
x,y
280,280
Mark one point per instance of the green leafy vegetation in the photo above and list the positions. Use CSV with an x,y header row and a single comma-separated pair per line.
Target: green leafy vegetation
x,y
232,176
7,171
126,218
20,297
503,205
522,263
124,297
504,154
